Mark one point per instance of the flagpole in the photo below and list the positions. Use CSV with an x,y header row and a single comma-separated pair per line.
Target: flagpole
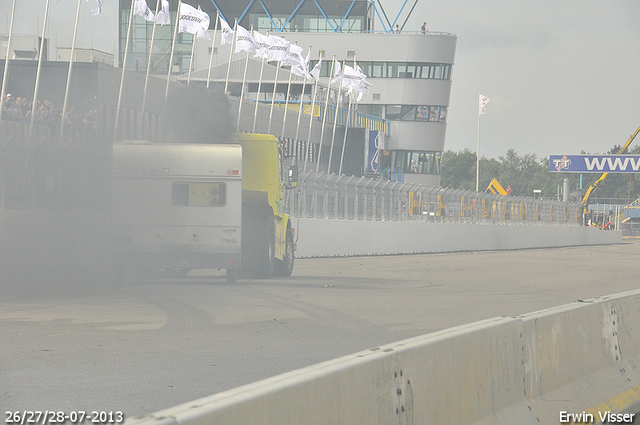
x,y
346,127
324,117
313,107
233,42
173,46
66,92
286,104
344,141
304,85
124,64
255,112
213,47
273,96
193,49
146,78
478,151
35,92
5,74
335,119
286,101
244,79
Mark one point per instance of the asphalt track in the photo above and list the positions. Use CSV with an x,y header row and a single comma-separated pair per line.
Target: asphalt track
x,y
154,343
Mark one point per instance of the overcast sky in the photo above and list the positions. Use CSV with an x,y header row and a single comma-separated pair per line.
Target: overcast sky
x,y
563,76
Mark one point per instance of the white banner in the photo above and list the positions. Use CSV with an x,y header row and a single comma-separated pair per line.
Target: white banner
x,y
294,57
164,17
279,49
96,11
227,32
337,73
141,8
193,21
270,47
263,45
355,81
301,69
315,72
483,104
244,41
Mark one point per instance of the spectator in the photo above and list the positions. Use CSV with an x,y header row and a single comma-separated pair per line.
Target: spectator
x,y
9,107
423,28
396,30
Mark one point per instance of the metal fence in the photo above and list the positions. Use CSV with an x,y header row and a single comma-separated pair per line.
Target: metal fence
x,y
320,195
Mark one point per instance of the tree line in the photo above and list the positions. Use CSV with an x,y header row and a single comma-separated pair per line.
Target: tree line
x,y
526,173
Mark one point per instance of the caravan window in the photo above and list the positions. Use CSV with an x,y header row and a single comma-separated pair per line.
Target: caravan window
x,y
199,194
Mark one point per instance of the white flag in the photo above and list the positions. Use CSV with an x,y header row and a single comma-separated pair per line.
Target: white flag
x,y
227,33
337,74
270,47
278,49
141,8
483,104
96,11
164,17
301,68
354,81
263,45
244,41
294,57
364,84
315,72
193,21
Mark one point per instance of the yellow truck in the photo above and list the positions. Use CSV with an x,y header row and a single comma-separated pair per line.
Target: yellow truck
x,y
183,206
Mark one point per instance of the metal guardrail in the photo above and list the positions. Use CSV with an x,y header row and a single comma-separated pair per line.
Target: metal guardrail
x,y
320,195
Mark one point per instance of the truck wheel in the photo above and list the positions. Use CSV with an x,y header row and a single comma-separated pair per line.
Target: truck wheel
x,y
266,258
285,267
232,276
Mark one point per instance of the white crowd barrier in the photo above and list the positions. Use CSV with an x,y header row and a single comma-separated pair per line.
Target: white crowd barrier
x,y
332,237
538,368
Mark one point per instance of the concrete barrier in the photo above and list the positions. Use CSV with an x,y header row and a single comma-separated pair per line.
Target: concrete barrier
x,y
581,359
40,245
331,237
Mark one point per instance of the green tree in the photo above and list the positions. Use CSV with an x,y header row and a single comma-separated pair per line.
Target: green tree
x,y
459,169
528,173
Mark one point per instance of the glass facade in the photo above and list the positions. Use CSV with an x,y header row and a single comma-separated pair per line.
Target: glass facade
x,y
425,113
140,44
343,16
437,71
417,162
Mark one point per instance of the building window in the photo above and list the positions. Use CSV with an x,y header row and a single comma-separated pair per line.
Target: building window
x,y
422,113
393,112
395,69
407,112
417,162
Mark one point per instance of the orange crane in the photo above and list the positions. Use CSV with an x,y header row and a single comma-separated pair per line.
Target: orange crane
x,y
594,186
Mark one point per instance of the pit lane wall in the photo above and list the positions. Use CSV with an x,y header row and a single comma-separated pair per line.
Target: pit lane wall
x,y
332,237
538,368
38,246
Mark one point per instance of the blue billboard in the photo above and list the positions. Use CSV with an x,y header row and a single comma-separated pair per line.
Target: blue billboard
x,y
373,152
594,163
